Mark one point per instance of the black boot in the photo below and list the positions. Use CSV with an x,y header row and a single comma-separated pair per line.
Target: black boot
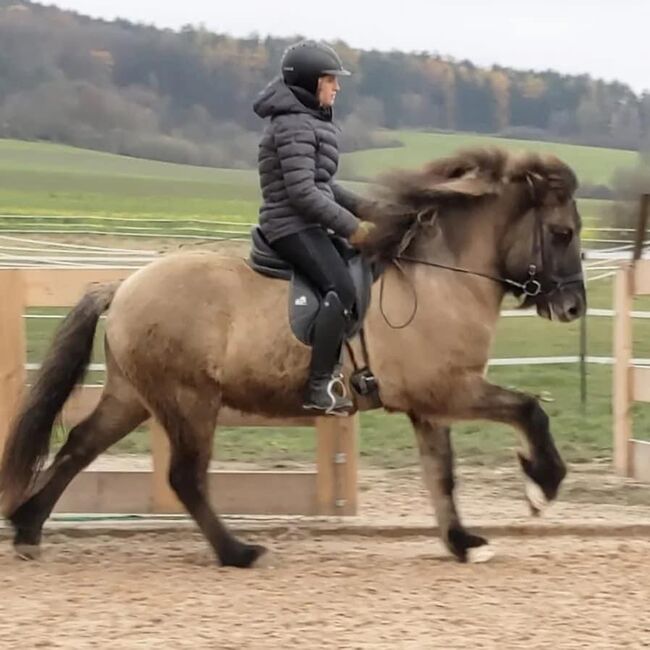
x,y
325,389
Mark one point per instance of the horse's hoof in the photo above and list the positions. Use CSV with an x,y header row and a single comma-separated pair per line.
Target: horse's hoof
x,y
536,498
480,554
243,556
27,551
467,547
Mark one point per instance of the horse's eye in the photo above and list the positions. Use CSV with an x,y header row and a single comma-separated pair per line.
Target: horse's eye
x,y
561,235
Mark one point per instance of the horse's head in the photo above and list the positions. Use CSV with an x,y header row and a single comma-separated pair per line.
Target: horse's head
x,y
540,247
526,221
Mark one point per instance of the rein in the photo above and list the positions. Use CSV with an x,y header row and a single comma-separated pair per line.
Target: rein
x,y
531,288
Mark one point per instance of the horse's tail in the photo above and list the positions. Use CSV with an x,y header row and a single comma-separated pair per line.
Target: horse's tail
x,y
65,364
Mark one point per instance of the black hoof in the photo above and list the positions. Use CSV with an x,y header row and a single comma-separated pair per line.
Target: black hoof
x,y
242,556
28,530
27,541
460,542
546,472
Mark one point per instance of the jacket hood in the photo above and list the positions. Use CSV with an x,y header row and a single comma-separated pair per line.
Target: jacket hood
x,y
279,99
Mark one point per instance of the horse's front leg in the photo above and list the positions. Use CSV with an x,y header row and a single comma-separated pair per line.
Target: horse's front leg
x,y
544,470
437,458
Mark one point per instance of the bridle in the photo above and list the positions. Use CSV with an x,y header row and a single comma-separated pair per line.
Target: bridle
x,y
537,283
540,281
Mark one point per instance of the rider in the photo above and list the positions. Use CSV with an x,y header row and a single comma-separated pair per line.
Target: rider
x,y
302,205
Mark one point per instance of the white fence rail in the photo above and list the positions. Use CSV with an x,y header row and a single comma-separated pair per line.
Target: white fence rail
x,y
504,361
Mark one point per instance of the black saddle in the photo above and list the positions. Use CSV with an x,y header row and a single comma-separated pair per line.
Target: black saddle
x,y
304,299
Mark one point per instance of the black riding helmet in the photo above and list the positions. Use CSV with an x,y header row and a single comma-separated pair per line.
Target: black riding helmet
x,y
305,62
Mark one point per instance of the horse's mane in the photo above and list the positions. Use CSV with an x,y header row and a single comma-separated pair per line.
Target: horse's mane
x,y
405,199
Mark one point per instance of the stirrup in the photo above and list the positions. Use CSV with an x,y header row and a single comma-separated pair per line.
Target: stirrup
x,y
339,405
337,380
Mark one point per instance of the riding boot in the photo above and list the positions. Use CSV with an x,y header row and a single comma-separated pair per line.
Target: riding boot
x,y
325,389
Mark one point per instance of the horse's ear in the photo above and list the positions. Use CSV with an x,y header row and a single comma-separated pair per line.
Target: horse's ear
x,y
538,187
552,181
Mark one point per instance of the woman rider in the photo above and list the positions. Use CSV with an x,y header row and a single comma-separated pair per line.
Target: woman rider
x,y
302,205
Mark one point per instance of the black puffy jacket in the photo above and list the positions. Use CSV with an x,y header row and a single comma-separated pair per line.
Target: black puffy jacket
x,y
298,157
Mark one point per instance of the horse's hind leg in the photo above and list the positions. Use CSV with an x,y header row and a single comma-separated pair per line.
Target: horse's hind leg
x,y
117,414
190,422
437,459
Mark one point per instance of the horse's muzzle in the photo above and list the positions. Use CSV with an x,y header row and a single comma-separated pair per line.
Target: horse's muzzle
x,y
565,305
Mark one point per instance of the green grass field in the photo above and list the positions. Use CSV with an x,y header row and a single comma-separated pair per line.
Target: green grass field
x,y
45,179
52,179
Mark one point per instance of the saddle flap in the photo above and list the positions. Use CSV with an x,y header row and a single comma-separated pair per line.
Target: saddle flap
x,y
363,278
304,300
304,305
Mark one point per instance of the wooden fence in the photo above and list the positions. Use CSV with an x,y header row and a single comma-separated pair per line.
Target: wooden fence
x,y
329,490
630,383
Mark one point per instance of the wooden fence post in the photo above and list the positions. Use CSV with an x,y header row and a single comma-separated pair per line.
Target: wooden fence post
x,y
622,372
337,465
163,498
12,347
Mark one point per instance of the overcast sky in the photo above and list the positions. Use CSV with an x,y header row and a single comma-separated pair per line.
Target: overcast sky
x,y
606,38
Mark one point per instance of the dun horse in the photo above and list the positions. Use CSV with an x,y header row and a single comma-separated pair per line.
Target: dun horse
x,y
196,331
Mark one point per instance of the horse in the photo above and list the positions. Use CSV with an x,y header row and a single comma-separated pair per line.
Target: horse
x,y
197,330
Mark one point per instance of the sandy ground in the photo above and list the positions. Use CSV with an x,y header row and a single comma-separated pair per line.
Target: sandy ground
x,y
163,590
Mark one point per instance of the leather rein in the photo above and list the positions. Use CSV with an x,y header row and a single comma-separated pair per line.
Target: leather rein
x,y
538,283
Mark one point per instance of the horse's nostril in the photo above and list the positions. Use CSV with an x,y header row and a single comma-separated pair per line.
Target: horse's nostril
x,y
573,311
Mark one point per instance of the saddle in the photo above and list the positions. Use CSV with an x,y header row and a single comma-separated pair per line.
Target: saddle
x,y
305,299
